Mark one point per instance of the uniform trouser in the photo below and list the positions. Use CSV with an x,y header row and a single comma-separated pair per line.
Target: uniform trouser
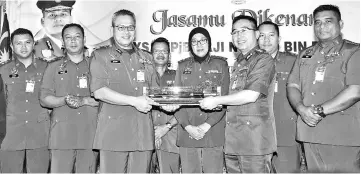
x,y
78,161
248,163
35,160
198,160
168,162
332,158
287,159
125,161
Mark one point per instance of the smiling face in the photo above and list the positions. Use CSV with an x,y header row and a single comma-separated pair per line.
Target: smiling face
x,y
327,27
73,40
200,45
126,37
247,39
160,54
54,21
22,46
268,38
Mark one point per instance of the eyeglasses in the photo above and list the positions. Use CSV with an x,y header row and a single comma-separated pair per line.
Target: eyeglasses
x,y
61,15
68,38
160,51
202,42
124,28
241,30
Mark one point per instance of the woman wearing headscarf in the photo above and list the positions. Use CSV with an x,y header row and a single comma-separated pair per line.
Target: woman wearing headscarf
x,y
200,132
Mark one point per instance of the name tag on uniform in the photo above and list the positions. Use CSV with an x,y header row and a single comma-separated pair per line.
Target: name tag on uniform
x,y
83,82
306,56
115,61
213,72
13,75
62,72
140,76
30,86
320,73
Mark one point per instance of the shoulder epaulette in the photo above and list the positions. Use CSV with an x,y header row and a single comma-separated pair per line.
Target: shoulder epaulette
x,y
51,60
102,46
145,51
290,54
183,60
353,43
2,63
219,57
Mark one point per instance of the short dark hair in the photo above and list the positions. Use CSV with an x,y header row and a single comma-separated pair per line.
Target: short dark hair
x,y
21,31
270,23
328,7
72,25
160,40
249,18
122,12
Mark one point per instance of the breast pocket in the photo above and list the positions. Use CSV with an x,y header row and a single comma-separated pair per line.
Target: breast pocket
x,y
241,78
215,77
61,83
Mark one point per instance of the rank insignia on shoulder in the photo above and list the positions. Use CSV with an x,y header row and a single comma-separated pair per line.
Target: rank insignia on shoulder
x,y
62,72
13,75
306,56
249,56
183,60
187,71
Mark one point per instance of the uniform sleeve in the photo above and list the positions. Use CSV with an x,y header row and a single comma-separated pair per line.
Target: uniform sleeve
x,y
215,117
294,77
48,83
182,114
353,69
261,75
99,72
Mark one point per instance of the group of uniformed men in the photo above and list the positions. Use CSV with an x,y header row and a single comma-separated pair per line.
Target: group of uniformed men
x,y
99,113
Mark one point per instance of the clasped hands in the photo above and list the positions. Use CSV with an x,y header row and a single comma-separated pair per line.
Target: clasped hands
x,y
308,115
76,101
197,132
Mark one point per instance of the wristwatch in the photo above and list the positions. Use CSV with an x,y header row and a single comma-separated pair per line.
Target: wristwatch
x,y
318,109
168,125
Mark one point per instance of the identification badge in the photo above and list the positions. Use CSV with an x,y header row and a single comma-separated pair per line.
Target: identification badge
x,y
140,76
276,86
320,73
30,86
234,85
83,83
115,61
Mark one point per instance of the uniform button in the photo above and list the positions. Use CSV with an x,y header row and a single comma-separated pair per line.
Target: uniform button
x,y
200,114
248,122
283,78
200,76
158,115
115,69
318,61
109,117
133,78
239,65
26,101
12,82
77,94
77,86
61,78
56,121
79,113
291,118
26,111
312,93
26,70
235,76
200,69
136,88
132,69
77,77
314,82
77,68
228,122
322,52
26,121
214,76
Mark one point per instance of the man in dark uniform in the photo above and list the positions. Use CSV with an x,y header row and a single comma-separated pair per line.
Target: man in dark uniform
x,y
56,14
324,89
164,122
287,158
201,133
27,123
250,130
125,133
65,89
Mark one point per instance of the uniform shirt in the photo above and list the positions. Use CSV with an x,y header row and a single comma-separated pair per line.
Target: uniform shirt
x,y
122,128
160,117
339,62
285,117
213,71
45,45
250,127
27,123
70,128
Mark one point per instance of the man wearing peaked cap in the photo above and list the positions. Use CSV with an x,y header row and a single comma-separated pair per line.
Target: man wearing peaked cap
x,y
56,14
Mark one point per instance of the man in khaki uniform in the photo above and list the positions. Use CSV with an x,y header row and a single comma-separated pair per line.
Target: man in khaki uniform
x,y
56,14
120,70
164,122
250,131
27,123
65,89
287,159
324,89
